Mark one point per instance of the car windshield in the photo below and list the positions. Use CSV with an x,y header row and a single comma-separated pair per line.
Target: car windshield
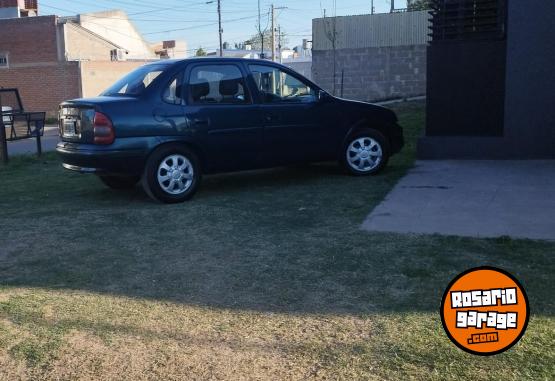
x,y
136,82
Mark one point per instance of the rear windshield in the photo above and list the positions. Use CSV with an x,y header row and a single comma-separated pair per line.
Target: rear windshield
x,y
136,82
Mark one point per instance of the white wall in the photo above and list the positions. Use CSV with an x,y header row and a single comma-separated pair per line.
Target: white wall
x,y
114,26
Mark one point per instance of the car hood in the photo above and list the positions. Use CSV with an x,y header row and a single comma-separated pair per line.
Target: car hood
x,y
382,113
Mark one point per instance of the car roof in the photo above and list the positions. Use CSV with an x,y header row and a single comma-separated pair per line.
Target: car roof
x,y
177,61
212,60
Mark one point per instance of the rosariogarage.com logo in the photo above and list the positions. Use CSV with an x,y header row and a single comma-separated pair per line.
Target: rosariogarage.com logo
x,y
485,311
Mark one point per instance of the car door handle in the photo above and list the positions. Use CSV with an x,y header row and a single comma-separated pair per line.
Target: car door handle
x,y
200,122
160,115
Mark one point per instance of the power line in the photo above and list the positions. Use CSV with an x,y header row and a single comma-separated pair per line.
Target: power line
x,y
200,26
274,8
92,15
157,32
194,30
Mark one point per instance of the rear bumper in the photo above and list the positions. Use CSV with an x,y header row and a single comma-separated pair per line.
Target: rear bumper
x,y
88,158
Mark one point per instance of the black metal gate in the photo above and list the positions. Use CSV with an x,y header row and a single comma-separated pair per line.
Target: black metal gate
x,y
466,68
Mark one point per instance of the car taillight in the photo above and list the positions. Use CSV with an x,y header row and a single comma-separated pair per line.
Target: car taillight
x,y
103,130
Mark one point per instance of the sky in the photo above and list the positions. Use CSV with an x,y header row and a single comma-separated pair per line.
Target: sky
x,y
195,21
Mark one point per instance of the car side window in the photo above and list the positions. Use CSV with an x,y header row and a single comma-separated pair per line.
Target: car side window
x,y
173,92
217,84
276,85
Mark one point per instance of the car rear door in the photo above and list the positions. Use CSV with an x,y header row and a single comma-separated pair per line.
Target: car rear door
x,y
297,125
221,110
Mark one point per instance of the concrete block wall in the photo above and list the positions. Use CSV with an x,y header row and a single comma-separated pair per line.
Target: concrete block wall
x,y
301,67
373,73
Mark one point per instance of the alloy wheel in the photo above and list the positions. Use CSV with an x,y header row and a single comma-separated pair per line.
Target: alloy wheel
x,y
175,174
364,154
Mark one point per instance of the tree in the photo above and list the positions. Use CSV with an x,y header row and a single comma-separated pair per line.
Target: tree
x,y
265,40
261,33
330,30
418,5
259,41
200,52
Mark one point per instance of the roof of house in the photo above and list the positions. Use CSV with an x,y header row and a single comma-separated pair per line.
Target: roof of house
x,y
78,26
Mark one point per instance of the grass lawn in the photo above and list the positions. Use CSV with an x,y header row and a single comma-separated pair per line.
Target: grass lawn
x,y
264,275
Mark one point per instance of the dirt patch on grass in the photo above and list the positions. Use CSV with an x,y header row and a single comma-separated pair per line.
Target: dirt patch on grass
x,y
116,338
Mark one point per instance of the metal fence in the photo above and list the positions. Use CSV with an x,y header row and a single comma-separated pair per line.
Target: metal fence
x,y
378,30
468,19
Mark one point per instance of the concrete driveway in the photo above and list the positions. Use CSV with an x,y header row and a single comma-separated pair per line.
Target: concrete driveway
x,y
471,199
29,146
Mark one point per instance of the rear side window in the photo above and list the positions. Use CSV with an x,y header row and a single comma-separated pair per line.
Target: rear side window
x,y
217,84
173,92
136,82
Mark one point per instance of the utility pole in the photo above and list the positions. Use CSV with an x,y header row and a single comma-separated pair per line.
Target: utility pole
x,y
279,44
221,31
273,34
392,6
261,32
373,9
274,9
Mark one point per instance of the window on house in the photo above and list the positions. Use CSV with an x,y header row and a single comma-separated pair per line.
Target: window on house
x,y
4,60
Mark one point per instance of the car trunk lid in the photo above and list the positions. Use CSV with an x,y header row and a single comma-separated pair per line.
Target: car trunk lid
x,y
76,122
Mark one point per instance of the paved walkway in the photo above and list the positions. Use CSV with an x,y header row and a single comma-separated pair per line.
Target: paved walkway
x,y
473,199
29,146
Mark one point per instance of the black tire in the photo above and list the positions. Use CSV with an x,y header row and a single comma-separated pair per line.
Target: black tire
x,y
374,167
158,192
120,182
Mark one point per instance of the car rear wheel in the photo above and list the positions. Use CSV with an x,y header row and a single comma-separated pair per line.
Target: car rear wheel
x,y
366,152
120,182
172,174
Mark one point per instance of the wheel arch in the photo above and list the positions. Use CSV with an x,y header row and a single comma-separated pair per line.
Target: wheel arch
x,y
364,124
185,143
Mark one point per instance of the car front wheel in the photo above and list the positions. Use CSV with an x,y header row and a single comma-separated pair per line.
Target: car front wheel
x,y
366,152
172,174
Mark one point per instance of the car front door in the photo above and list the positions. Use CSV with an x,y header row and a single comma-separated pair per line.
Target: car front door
x,y
222,112
298,127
